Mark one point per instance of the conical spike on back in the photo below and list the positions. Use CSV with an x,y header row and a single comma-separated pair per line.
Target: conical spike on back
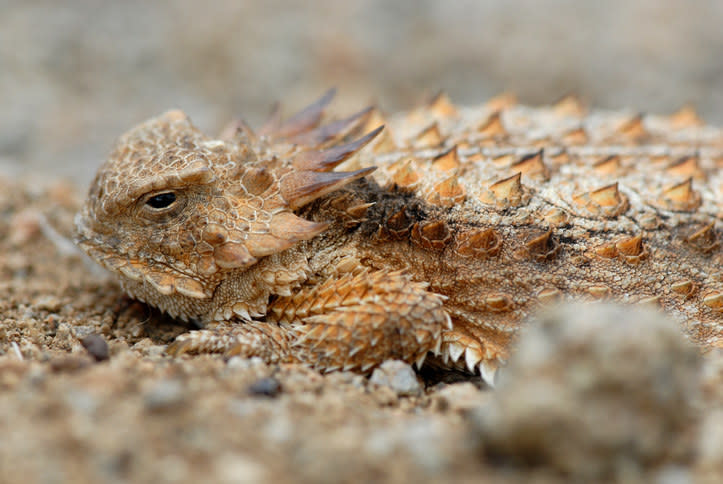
x,y
301,187
686,166
328,159
492,126
569,105
634,129
685,117
442,106
531,164
503,100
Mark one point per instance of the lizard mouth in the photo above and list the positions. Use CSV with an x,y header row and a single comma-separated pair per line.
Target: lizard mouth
x,y
161,277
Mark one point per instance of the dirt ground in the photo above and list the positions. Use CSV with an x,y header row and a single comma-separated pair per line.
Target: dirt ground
x,y
629,408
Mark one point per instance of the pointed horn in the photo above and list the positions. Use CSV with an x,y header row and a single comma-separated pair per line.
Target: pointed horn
x,y
261,245
305,119
235,128
273,122
286,225
301,187
232,255
332,130
328,159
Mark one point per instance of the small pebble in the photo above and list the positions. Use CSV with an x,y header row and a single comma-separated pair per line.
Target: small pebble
x,y
397,375
266,387
96,346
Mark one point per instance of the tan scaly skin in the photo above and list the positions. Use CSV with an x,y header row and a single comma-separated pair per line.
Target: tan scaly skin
x,y
465,228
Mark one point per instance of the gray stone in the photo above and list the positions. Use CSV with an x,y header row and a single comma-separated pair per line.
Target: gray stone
x,y
397,375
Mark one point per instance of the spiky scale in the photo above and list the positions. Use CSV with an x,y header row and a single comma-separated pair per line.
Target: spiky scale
x,y
705,238
609,165
680,197
506,192
577,136
488,371
685,117
429,137
432,235
714,300
569,105
447,161
685,287
607,201
531,165
632,249
406,176
479,243
492,127
633,130
542,246
686,166
441,105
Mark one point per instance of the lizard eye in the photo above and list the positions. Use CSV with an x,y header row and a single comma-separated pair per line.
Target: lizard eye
x,y
162,200
162,206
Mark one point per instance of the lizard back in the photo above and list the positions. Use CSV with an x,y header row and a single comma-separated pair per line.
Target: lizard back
x,y
505,208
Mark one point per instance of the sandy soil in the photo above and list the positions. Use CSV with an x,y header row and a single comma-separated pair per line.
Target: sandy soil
x,y
70,412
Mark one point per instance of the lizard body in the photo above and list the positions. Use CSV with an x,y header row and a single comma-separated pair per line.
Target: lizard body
x,y
473,219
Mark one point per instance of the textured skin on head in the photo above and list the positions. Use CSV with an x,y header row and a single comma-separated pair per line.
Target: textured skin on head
x,y
230,211
476,216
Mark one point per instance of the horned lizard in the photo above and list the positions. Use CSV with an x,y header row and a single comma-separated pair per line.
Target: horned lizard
x,y
438,238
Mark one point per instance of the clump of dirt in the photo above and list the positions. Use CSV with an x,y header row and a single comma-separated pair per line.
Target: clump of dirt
x,y
597,392
87,393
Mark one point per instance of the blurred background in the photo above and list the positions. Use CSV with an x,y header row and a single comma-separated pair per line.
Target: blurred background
x,y
76,74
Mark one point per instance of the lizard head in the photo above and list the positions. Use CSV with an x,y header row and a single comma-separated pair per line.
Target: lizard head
x,y
172,211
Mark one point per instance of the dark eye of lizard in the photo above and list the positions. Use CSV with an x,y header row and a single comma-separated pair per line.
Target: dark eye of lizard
x,y
162,200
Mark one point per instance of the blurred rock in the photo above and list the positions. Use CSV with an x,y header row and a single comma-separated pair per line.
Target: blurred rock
x,y
459,397
711,443
398,376
265,387
595,391
164,395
